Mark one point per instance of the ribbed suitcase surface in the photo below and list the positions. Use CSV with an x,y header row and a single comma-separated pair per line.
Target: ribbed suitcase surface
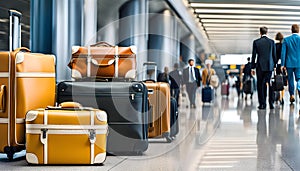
x,y
126,104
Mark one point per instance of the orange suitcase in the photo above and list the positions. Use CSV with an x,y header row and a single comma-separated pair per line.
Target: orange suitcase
x,y
160,108
103,61
66,135
27,81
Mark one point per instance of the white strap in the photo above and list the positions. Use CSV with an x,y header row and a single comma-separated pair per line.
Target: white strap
x,y
35,75
116,61
89,60
93,138
45,141
4,74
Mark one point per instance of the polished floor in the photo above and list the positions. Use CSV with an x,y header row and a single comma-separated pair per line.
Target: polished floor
x,y
228,134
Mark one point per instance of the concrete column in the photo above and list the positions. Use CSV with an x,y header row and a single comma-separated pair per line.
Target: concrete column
x,y
133,29
163,45
187,48
90,22
41,26
56,25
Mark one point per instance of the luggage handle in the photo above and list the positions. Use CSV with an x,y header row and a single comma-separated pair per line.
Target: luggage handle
x,y
102,44
149,81
66,105
2,98
22,49
14,26
14,13
110,62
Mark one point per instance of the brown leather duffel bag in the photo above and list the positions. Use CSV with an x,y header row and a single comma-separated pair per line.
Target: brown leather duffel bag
x,y
103,61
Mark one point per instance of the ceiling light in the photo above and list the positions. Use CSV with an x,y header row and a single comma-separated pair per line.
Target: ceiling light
x,y
256,6
206,25
238,29
225,11
288,18
250,21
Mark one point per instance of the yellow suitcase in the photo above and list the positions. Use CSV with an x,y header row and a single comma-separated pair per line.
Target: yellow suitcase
x,y
160,109
27,81
66,135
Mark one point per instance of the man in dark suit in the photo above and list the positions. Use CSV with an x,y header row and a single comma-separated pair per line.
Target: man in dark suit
x,y
192,80
265,51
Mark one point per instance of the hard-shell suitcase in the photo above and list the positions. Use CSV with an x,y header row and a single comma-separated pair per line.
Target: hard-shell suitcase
x,y
174,118
225,89
207,94
27,81
103,61
73,135
126,105
159,99
248,86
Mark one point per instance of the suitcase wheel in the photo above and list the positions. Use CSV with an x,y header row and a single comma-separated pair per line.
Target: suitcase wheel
x,y
169,139
10,151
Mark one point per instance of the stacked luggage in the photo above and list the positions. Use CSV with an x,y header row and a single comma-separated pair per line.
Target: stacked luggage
x,y
103,83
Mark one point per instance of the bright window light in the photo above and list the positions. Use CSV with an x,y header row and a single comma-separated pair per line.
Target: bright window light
x,y
224,11
237,59
263,6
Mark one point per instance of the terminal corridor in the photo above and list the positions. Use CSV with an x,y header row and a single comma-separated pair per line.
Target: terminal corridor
x,y
228,134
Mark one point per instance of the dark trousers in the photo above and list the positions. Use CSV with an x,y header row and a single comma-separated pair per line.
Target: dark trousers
x,y
264,77
191,90
175,93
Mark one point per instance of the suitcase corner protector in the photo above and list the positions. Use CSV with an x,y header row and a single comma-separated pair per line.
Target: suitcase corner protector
x,y
31,115
100,158
101,116
32,158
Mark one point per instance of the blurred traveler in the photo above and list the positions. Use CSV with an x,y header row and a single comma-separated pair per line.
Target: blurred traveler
x,y
290,57
192,80
247,70
207,72
265,51
175,80
164,77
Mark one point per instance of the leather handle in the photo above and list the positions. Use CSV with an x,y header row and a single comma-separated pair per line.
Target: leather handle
x,y
149,81
102,44
110,62
24,49
66,105
2,98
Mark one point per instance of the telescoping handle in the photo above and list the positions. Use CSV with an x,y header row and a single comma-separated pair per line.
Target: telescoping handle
x,y
14,29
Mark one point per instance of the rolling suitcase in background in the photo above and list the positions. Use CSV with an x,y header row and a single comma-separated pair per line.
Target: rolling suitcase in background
x,y
159,99
126,104
207,94
27,81
69,134
225,89
103,61
174,118
248,86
